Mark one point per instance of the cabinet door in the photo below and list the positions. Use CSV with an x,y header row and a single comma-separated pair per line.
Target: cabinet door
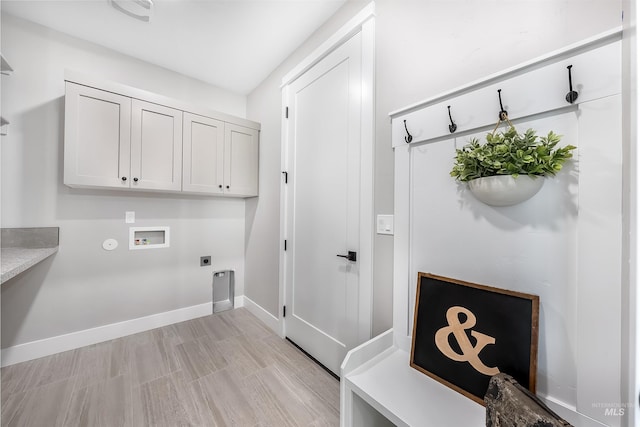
x,y
96,138
156,147
202,154
240,160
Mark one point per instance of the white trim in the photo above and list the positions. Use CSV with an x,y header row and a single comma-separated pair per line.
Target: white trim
x,y
401,247
343,34
630,373
263,315
284,162
615,33
239,301
526,96
367,159
73,340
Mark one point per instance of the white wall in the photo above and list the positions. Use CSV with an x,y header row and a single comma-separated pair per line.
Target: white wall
x,y
422,48
83,286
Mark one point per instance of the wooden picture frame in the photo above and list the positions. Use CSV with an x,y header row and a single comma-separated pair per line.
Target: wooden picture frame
x,y
464,333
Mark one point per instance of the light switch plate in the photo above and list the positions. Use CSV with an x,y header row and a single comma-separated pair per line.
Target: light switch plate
x,y
384,224
130,217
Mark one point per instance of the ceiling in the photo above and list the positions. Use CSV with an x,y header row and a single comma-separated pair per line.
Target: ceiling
x,y
232,44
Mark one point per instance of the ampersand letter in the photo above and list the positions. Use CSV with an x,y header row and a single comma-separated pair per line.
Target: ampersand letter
x,y
469,352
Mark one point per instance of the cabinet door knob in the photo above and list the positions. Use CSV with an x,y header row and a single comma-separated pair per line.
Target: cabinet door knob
x,y
227,187
124,178
220,186
135,179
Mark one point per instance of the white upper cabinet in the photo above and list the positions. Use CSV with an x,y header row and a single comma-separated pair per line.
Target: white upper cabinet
x,y
122,137
202,154
219,157
156,147
240,160
97,138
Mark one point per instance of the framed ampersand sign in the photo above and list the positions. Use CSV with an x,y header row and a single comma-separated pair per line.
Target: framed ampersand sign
x,y
464,333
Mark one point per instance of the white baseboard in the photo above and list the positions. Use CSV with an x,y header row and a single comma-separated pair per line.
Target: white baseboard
x,y
48,346
238,301
263,315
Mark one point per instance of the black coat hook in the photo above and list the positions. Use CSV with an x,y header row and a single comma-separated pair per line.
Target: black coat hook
x,y
503,115
407,138
452,126
572,95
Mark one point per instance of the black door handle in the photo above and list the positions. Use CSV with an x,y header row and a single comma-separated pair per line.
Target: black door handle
x,y
351,256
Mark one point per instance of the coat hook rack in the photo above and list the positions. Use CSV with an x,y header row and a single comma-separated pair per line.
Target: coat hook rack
x,y
407,138
572,95
452,126
503,115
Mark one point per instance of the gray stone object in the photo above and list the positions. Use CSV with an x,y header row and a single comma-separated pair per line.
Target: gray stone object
x,y
511,405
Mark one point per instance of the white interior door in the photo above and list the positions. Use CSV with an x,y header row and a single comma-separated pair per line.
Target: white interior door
x,y
323,207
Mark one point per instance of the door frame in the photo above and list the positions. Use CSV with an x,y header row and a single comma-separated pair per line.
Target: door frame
x,y
631,216
363,22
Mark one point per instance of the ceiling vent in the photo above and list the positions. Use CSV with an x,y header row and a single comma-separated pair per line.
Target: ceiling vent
x,y
138,9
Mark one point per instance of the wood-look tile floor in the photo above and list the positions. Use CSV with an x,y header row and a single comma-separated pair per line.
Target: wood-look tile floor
x,y
227,369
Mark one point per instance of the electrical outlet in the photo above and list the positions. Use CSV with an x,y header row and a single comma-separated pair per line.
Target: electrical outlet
x,y
205,261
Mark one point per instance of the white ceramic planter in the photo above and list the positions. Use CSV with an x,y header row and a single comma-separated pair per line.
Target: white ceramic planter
x,y
505,190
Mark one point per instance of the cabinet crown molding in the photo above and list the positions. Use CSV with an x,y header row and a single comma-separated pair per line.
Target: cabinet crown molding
x,y
155,98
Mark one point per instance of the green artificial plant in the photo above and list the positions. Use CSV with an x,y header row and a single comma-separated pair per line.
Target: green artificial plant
x,y
510,153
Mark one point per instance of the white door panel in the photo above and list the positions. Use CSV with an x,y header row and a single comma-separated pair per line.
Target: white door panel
x,y
323,205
